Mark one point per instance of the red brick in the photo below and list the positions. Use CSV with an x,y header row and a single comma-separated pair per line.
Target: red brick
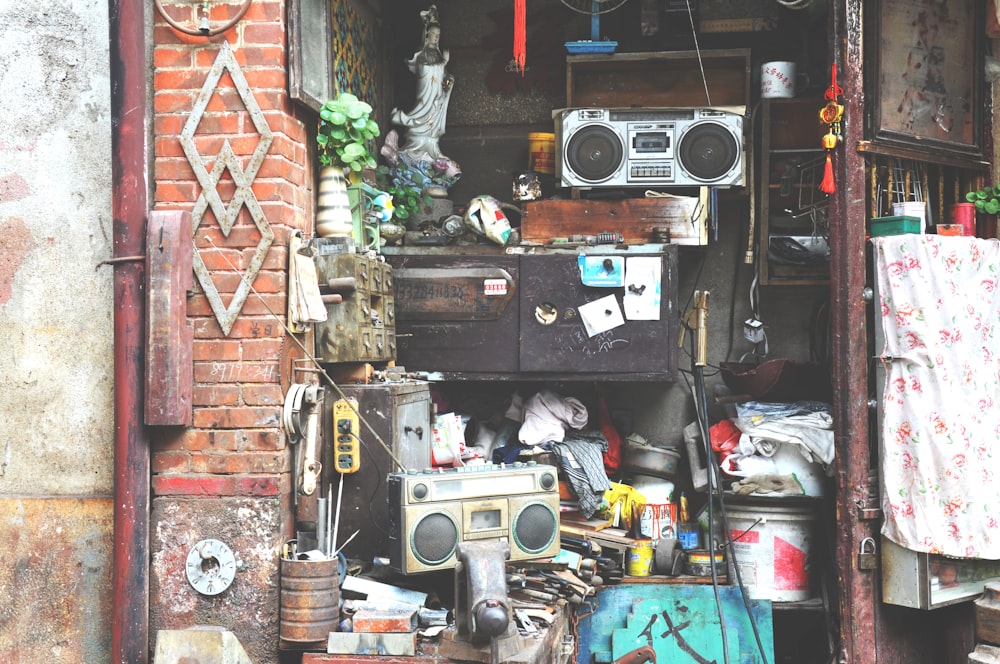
x,y
277,258
165,462
168,146
264,33
168,127
243,463
269,12
265,55
225,99
262,349
172,57
266,78
264,440
173,168
175,192
173,102
178,79
218,259
267,305
237,417
227,122
200,439
236,372
263,395
259,485
216,350
215,395
194,485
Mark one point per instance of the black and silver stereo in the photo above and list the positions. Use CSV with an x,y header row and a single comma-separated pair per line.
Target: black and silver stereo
x,y
649,147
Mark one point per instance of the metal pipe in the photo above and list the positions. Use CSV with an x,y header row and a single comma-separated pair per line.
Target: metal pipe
x,y
130,201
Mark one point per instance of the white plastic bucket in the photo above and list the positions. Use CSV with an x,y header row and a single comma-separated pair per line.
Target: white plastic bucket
x,y
659,516
772,550
912,209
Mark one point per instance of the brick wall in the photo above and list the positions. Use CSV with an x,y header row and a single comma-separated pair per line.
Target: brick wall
x,y
233,459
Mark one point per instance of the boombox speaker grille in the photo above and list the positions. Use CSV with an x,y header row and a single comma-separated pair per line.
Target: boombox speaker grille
x,y
434,539
595,153
708,151
534,528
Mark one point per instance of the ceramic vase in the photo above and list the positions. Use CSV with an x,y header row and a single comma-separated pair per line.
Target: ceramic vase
x,y
333,207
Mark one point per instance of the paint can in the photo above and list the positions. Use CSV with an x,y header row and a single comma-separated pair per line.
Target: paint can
x,y
771,545
639,558
542,152
964,215
699,563
309,598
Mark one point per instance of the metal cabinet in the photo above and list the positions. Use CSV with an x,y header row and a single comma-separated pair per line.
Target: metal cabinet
x,y
400,414
493,315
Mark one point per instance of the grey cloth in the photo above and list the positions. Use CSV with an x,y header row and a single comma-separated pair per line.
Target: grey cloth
x,y
547,416
582,463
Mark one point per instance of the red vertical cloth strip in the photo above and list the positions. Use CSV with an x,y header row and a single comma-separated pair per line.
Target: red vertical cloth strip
x,y
520,47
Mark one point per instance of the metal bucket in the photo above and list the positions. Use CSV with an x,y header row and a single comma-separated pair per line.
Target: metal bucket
x,y
310,600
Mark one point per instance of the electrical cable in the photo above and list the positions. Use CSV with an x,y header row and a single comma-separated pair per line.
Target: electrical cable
x,y
699,394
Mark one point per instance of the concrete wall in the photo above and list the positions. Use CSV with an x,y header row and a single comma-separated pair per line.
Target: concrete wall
x,y
56,333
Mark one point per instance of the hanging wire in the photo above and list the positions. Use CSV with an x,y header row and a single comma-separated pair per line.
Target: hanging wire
x,y
701,65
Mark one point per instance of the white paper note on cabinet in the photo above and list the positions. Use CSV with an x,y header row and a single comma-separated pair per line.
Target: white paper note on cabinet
x,y
642,288
601,315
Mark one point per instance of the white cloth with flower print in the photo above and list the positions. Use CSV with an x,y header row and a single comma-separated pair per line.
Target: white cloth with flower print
x,y
940,310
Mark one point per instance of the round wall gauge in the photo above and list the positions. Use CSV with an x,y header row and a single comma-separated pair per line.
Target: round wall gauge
x,y
211,566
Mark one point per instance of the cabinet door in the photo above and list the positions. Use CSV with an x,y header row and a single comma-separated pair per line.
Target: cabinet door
x,y
793,212
554,338
456,313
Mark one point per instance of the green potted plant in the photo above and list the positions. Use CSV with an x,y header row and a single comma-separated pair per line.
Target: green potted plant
x,y
986,200
345,131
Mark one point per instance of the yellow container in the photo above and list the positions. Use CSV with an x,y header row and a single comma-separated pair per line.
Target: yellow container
x,y
542,152
639,558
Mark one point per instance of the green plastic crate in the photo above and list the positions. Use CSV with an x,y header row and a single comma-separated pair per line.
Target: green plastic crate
x,y
894,226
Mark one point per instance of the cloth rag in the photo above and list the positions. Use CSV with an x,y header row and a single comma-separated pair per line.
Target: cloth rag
x,y
547,415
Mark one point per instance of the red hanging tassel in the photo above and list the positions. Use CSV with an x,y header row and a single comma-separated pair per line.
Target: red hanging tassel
x,y
520,48
827,185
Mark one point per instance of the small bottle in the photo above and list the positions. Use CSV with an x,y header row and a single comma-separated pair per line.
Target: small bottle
x,y
688,533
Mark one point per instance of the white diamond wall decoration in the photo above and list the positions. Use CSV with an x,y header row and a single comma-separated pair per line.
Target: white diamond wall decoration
x,y
243,195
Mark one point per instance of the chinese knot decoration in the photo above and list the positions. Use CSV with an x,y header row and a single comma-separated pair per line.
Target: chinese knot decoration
x,y
831,115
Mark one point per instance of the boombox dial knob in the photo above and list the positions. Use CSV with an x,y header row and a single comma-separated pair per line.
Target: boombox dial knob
x,y
420,491
547,481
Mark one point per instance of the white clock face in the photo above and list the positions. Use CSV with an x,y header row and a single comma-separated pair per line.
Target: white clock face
x,y
211,567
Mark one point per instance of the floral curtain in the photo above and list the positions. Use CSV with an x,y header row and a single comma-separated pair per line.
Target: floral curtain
x,y
940,314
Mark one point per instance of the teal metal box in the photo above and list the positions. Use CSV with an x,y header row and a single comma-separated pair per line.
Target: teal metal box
x,y
881,226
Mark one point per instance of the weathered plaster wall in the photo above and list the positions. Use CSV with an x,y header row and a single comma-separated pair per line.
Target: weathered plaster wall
x,y
55,330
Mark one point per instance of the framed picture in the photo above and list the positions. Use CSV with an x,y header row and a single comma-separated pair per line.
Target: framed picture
x,y
926,76
310,56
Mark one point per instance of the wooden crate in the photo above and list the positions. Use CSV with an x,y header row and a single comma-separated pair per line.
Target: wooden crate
x,y
684,217
658,79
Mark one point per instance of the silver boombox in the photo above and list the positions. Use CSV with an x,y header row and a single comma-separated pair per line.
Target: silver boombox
x,y
432,512
649,147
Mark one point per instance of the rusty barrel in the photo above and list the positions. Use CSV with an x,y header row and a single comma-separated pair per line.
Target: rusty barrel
x,y
310,600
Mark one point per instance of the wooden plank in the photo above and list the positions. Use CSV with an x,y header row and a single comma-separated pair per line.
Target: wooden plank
x,y
637,220
170,337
